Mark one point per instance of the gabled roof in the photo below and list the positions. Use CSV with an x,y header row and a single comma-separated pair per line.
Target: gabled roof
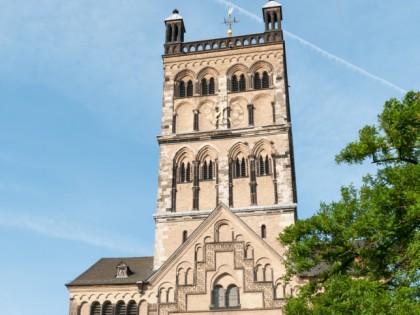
x,y
104,271
204,226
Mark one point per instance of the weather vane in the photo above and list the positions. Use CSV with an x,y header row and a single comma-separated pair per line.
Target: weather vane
x,y
230,20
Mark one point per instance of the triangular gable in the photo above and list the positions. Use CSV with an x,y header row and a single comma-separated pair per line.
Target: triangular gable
x,y
220,211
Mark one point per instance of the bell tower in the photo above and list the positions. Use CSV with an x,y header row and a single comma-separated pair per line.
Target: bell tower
x,y
225,134
175,30
272,14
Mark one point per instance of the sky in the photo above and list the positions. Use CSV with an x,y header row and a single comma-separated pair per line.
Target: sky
x,y
80,106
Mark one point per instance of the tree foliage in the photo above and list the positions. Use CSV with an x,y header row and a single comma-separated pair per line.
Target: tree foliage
x,y
369,240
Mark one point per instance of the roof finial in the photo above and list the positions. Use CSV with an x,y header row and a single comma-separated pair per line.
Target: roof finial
x,y
230,20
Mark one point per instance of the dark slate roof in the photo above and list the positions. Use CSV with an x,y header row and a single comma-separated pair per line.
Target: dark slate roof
x,y
104,271
315,271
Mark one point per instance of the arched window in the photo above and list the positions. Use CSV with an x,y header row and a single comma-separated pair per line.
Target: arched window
x,y
182,89
185,172
95,309
132,308
232,296
211,86
120,309
107,309
265,80
204,90
176,33
184,236
235,84
242,84
218,297
189,88
207,170
169,34
257,81
240,167
264,165
263,231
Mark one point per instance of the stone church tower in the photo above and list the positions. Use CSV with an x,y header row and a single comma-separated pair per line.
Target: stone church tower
x,y
226,185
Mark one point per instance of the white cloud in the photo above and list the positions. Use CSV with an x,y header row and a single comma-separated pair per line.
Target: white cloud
x,y
64,229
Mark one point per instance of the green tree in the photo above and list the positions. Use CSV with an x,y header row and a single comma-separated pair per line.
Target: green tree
x,y
368,242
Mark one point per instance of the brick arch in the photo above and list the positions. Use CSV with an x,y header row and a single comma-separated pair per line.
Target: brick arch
x,y
260,96
239,148
207,71
222,272
263,109
184,153
207,151
238,99
261,65
223,231
239,67
263,145
185,74
183,104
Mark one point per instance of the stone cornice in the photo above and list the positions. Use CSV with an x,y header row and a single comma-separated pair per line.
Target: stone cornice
x,y
283,208
236,133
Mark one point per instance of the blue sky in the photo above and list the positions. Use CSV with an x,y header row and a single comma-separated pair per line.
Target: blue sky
x,y
80,100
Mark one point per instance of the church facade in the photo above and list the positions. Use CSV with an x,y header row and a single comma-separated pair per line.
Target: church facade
x,y
226,185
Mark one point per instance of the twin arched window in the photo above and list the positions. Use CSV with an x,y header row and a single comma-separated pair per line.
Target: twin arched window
x,y
185,172
240,167
207,170
207,86
186,89
261,81
264,165
225,299
238,83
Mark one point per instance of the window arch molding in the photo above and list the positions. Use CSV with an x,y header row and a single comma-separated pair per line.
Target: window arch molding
x,y
207,159
184,161
261,66
223,230
225,292
184,84
208,81
237,78
239,156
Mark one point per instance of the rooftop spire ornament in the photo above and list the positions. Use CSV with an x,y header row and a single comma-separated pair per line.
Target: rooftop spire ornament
x,y
230,20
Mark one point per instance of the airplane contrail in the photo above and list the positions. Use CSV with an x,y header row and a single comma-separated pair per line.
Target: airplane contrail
x,y
321,51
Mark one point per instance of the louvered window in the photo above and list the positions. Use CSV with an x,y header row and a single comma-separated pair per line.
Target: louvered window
x,y
242,84
265,80
264,166
182,89
257,81
107,309
240,167
95,309
132,308
120,308
211,86
188,172
207,170
189,88
235,84
185,172
204,90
